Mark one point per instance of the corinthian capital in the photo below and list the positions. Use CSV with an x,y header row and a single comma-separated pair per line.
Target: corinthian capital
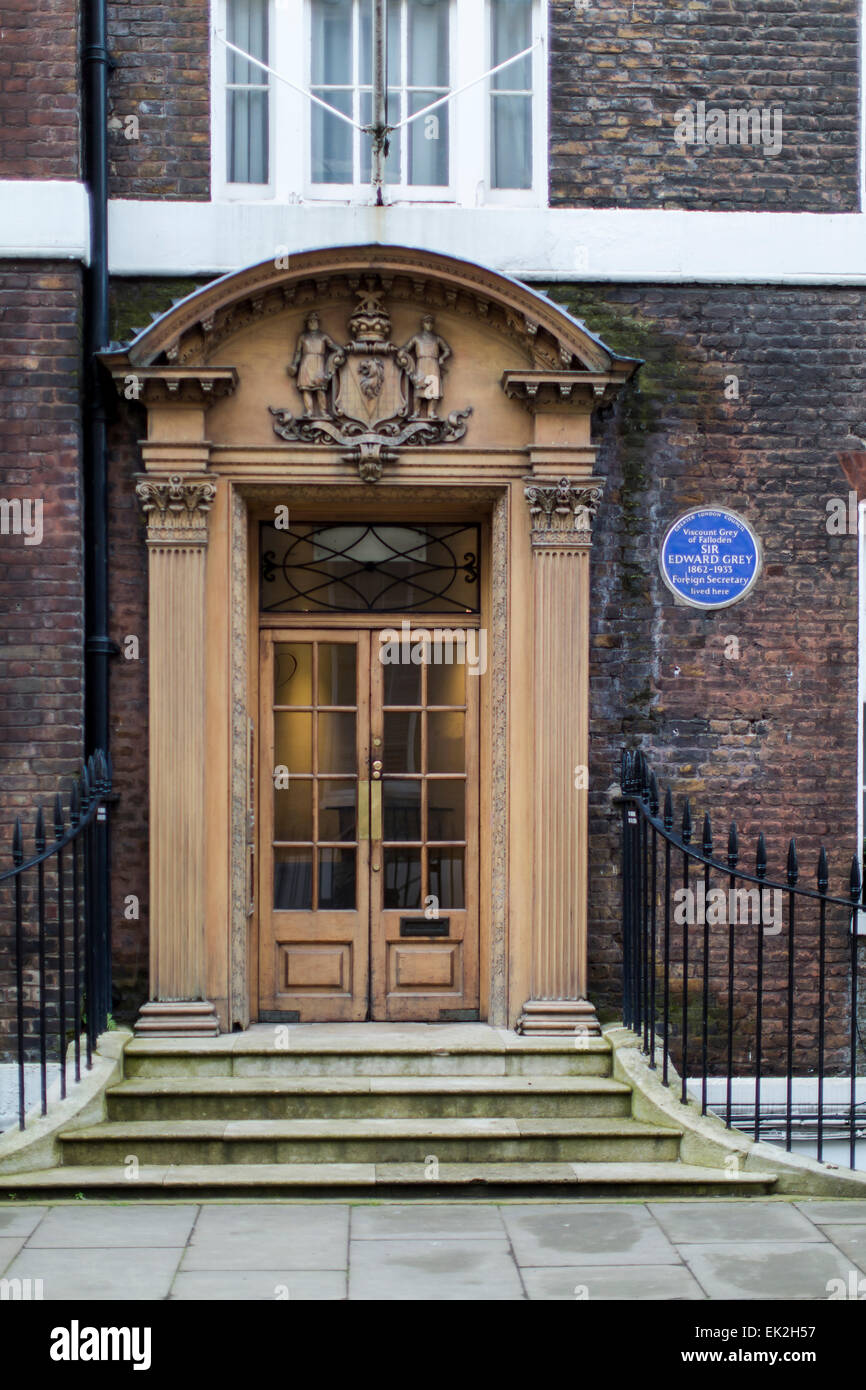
x,y
176,508
562,512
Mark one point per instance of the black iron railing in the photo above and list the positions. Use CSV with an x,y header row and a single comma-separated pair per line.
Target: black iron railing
x,y
55,949
730,974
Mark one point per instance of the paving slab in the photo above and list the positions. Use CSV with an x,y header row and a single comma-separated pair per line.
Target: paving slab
x,y
700,1222
831,1213
84,1227
600,1234
260,1285
415,1222
133,1273
578,1283
772,1270
257,1237
16,1220
851,1240
441,1271
9,1247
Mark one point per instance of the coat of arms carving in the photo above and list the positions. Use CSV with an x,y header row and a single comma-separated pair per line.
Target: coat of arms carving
x,y
370,395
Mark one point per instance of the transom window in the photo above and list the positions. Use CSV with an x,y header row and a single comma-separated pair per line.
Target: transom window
x,y
486,143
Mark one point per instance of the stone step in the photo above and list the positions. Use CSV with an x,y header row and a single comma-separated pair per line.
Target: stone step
x,y
476,1140
264,1054
405,1181
313,1097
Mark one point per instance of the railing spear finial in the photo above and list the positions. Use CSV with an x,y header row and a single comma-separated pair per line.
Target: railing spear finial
x,y
733,846
761,857
687,822
707,844
669,810
793,866
823,872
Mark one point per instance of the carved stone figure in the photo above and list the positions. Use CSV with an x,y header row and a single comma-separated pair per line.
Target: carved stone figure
x,y
430,353
316,356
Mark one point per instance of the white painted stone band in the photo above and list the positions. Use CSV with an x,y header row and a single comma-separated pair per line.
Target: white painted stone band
x,y
44,220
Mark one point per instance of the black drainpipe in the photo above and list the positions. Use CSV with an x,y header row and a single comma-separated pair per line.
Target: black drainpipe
x,y
98,646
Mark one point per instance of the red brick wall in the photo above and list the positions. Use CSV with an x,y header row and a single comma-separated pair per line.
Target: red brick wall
x,y
620,69
769,738
162,78
39,114
41,586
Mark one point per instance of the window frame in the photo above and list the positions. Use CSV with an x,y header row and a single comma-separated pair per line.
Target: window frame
x,y
470,162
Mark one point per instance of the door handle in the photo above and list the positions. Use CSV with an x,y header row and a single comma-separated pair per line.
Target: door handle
x,y
375,810
363,810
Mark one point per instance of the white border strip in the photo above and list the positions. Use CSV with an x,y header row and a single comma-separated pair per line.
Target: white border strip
x,y
619,245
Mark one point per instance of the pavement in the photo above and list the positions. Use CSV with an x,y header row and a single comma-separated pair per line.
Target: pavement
x,y
675,1250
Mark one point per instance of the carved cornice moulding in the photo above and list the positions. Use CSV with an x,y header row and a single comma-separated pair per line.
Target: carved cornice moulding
x,y
173,385
561,512
176,508
541,390
549,338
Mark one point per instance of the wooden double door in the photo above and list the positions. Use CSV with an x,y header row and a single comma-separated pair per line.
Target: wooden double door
x,y
368,827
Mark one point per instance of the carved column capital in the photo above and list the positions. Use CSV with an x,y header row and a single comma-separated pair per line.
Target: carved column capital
x,y
561,513
176,508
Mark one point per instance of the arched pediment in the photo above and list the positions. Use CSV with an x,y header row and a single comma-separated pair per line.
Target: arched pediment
x,y
195,329
496,346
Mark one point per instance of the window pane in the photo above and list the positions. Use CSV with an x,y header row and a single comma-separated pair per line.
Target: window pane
x,y
446,813
332,41
446,684
247,127
336,879
247,27
511,24
445,743
402,751
336,743
401,804
445,874
402,887
428,43
336,673
293,879
293,673
512,142
331,140
428,142
402,682
337,819
293,810
293,742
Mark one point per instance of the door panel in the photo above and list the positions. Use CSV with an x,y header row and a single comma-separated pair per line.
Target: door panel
x,y
424,884
368,823
314,936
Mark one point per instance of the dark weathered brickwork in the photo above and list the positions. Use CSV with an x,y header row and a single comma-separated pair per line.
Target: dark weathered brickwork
x,y
39,115
770,736
41,587
620,69
162,79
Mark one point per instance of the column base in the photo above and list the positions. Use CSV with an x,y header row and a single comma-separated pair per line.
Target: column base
x,y
181,1018
552,1017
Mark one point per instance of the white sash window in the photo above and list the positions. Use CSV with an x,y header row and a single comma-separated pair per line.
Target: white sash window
x,y
486,144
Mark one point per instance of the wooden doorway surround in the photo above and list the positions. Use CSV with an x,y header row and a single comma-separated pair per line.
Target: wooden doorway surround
x,y
482,415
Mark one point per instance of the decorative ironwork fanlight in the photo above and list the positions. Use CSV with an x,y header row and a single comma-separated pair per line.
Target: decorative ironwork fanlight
x,y
359,568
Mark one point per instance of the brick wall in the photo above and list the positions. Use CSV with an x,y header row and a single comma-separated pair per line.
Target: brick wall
x,y
41,585
771,736
620,69
39,115
163,80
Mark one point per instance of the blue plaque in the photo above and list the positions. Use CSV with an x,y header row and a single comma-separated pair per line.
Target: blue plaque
x,y
710,557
